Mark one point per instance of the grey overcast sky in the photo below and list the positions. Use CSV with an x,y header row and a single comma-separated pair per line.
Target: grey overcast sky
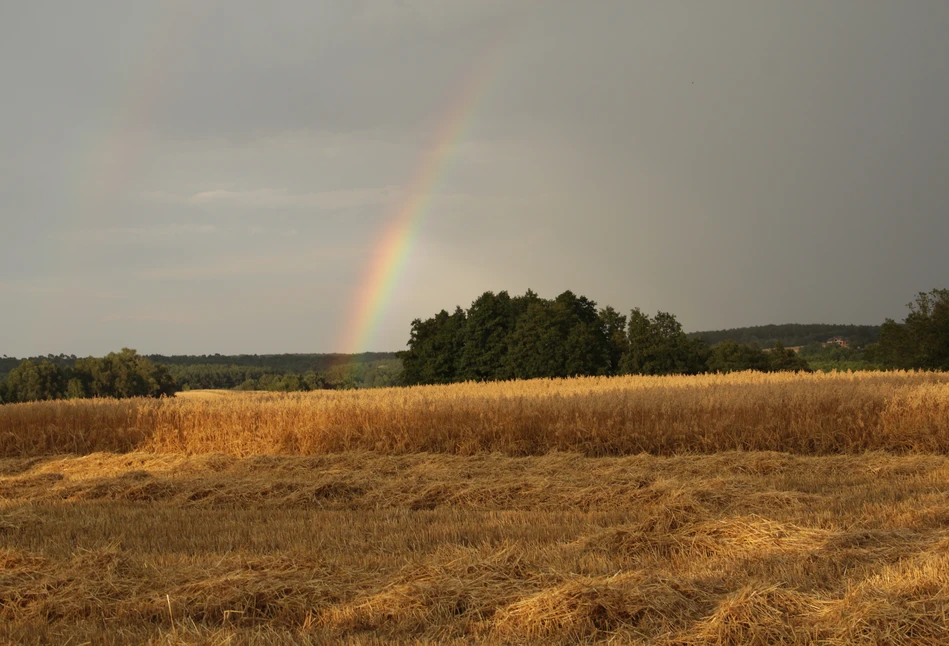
x,y
200,177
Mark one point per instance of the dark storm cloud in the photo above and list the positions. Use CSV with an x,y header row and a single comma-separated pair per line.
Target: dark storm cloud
x,y
165,165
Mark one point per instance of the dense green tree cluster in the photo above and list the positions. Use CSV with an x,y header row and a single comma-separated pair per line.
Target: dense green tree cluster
x,y
921,341
7,364
118,374
526,337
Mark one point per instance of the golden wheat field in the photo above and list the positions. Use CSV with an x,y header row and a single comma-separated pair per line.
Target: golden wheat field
x,y
740,509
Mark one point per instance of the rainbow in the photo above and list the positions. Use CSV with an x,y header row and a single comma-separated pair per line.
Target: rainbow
x,y
107,160
401,230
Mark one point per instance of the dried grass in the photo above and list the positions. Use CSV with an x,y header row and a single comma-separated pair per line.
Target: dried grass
x,y
740,509
558,548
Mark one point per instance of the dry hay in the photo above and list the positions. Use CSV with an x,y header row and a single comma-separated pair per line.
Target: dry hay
x,y
758,616
585,608
422,548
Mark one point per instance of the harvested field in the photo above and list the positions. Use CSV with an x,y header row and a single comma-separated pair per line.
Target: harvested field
x,y
589,510
734,548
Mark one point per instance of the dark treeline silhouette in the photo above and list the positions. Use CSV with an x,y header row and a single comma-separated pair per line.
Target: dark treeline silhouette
x,y
118,374
792,334
276,372
922,340
7,364
526,337
300,363
283,372
504,337
232,377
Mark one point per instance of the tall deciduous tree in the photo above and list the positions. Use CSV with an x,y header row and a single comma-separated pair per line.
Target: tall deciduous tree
x,y
786,360
434,347
31,381
613,325
490,321
729,356
658,346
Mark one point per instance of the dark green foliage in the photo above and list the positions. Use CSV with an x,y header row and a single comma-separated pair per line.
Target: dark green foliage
x,y
434,349
586,346
280,363
617,342
379,373
7,364
281,371
490,320
792,334
501,337
118,374
218,376
31,381
284,372
783,359
921,341
830,356
658,346
558,338
730,356
527,337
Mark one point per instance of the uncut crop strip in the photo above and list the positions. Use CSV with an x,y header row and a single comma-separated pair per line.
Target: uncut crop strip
x,y
805,414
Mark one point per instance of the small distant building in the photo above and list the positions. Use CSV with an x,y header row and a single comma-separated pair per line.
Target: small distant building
x,y
838,340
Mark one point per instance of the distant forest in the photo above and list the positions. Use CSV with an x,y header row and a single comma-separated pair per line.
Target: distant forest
x,y
287,372
792,334
505,337
528,337
126,374
524,337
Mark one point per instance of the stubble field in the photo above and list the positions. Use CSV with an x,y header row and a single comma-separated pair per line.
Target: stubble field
x,y
704,510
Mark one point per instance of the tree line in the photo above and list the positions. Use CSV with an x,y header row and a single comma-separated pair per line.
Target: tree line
x,y
283,372
501,337
525,337
921,341
236,377
792,334
118,374
283,363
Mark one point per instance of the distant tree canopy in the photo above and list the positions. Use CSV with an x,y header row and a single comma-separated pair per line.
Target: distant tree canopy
x,y
284,372
792,334
273,372
118,374
526,337
300,363
921,341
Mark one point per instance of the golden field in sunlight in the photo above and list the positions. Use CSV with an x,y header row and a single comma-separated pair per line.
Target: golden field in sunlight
x,y
800,413
742,509
732,548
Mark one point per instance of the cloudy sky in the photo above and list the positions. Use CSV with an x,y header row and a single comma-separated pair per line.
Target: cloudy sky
x,y
199,177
